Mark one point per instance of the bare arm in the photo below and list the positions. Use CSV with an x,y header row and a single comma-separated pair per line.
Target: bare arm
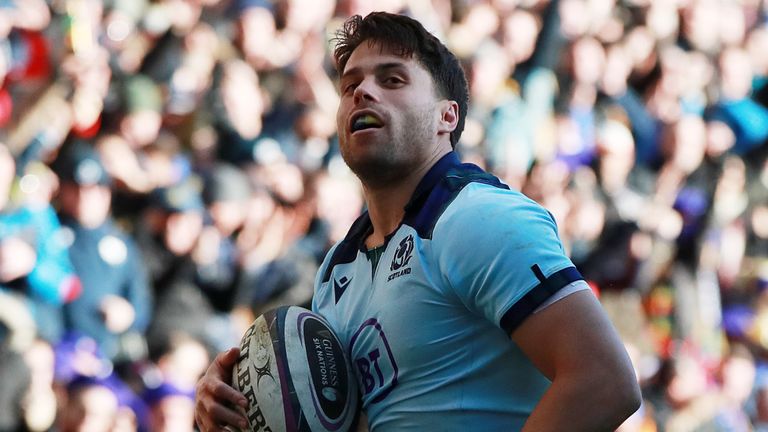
x,y
573,343
214,396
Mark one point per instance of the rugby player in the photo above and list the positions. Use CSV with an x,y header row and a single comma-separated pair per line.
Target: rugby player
x,y
452,293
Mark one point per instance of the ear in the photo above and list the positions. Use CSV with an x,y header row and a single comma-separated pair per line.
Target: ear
x,y
449,116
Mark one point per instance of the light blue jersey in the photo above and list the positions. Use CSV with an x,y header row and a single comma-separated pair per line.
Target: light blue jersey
x,y
428,330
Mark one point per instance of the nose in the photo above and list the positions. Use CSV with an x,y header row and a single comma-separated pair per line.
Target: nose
x,y
365,91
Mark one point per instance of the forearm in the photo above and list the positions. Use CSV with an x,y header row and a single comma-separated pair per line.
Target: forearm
x,y
579,404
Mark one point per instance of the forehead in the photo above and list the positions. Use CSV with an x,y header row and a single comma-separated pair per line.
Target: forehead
x,y
369,54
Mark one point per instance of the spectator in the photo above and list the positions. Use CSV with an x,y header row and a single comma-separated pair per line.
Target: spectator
x,y
33,259
168,239
114,307
172,409
92,405
240,106
226,191
140,127
736,108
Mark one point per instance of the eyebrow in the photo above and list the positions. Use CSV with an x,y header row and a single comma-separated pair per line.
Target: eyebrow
x,y
378,68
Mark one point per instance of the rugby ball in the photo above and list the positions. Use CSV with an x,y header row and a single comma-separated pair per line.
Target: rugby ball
x,y
294,372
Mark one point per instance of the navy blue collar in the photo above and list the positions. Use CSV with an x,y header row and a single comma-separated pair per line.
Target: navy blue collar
x,y
363,226
435,191
430,179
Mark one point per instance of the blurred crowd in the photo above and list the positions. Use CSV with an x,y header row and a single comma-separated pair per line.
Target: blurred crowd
x,y
169,169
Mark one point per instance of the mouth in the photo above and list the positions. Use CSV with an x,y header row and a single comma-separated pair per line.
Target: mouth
x,y
364,120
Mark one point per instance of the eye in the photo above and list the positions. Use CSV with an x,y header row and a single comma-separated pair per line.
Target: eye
x,y
349,88
393,80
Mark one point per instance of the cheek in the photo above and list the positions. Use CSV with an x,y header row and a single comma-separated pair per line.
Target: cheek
x,y
340,116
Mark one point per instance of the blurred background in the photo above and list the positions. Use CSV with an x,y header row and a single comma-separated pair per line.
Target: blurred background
x,y
169,169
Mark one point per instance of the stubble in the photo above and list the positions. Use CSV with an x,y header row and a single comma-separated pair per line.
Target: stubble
x,y
392,156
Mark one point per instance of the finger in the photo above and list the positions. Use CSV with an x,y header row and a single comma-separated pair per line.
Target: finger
x,y
220,428
219,418
202,425
223,392
225,361
227,417
206,427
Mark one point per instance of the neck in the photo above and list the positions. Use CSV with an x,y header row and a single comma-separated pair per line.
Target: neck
x,y
386,203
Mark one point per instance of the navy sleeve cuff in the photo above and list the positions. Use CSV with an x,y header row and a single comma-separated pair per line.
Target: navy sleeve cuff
x,y
519,311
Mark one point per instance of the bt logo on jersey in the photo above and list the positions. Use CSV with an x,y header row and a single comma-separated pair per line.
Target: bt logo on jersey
x,y
374,361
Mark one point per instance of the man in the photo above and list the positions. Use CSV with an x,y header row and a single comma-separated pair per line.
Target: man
x,y
171,407
91,404
167,239
116,303
445,267
34,262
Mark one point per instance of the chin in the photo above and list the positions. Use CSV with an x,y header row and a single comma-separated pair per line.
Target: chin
x,y
378,171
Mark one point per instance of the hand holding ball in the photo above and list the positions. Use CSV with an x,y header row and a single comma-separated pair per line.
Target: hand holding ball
x,y
294,372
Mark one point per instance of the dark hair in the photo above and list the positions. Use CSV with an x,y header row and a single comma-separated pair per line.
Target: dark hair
x,y
407,38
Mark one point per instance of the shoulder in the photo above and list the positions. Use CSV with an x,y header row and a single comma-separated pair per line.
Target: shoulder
x,y
327,263
485,210
488,230
426,209
325,292
345,251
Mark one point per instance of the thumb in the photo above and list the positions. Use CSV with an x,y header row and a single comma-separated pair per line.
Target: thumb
x,y
228,358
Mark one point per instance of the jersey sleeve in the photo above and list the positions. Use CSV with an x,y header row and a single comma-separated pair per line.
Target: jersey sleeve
x,y
500,254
